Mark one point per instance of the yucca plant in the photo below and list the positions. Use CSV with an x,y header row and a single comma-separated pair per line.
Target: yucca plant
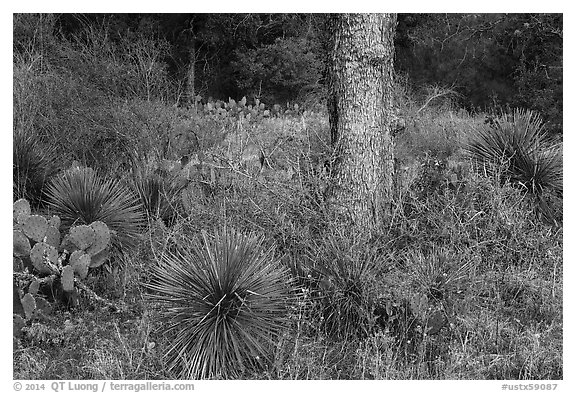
x,y
82,196
224,301
159,195
516,148
32,167
346,268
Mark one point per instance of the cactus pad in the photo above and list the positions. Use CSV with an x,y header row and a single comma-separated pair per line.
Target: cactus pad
x,y
33,288
80,261
67,278
81,268
68,244
39,252
100,258
52,236
55,222
75,256
21,244
35,227
29,305
43,306
102,238
82,236
17,264
21,210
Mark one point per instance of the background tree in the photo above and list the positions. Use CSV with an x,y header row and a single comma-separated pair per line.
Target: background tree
x,y
360,106
488,59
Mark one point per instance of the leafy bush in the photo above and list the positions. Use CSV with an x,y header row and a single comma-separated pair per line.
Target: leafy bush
x,y
82,196
224,300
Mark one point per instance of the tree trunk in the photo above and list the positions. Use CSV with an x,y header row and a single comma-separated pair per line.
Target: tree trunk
x,y
360,109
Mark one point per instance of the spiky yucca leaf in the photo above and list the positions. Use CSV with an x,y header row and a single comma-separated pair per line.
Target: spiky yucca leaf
x,y
82,196
516,148
224,299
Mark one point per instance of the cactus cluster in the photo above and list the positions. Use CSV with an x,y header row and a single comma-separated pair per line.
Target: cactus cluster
x,y
240,109
42,259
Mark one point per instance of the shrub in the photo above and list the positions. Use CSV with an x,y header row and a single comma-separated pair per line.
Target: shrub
x,y
224,300
82,196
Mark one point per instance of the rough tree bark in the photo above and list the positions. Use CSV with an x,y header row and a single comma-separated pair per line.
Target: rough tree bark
x,y
360,110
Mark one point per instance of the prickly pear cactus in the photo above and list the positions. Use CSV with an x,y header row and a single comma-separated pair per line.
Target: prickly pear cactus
x,y
75,256
82,236
21,210
80,262
29,304
52,237
101,238
99,259
36,242
55,222
44,257
35,227
33,287
21,244
67,278
68,244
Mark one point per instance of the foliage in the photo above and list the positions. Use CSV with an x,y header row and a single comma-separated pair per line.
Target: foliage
x,y
224,300
81,196
287,69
